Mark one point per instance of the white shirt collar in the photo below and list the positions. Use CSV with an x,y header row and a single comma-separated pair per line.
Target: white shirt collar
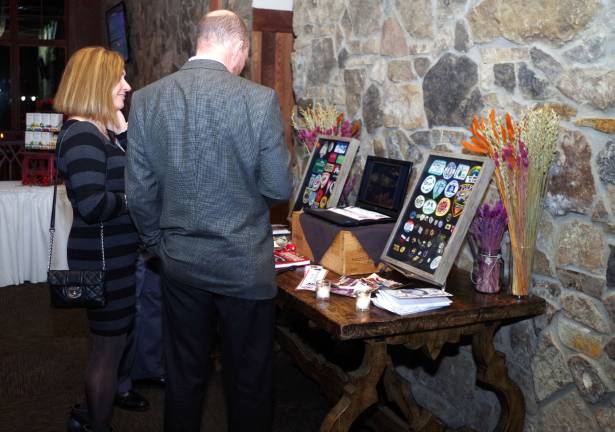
x,y
203,57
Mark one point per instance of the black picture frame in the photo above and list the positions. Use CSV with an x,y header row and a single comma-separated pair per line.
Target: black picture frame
x,y
394,194
332,157
429,234
117,30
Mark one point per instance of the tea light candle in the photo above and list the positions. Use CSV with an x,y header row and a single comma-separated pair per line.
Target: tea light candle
x,y
323,290
363,300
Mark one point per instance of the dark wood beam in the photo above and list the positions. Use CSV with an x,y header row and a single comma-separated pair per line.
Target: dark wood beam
x,y
270,20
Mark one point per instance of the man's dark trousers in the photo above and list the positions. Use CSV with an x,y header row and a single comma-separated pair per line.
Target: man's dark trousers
x,y
192,318
148,358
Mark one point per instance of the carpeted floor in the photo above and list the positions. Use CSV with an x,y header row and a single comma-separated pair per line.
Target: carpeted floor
x,y
43,353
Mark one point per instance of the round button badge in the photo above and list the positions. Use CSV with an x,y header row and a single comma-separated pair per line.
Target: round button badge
x,y
429,207
311,182
409,226
451,189
319,195
316,183
324,148
443,207
435,263
324,178
450,169
428,184
438,188
312,198
419,201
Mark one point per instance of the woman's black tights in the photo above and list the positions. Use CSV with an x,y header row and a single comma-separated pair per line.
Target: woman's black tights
x,y
101,378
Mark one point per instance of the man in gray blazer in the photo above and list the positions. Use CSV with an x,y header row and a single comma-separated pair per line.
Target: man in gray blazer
x,y
206,159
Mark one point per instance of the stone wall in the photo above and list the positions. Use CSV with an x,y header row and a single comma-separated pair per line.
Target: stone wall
x,y
162,34
415,72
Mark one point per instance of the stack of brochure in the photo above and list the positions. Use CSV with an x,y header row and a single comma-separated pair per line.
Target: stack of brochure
x,y
287,257
349,286
411,300
280,229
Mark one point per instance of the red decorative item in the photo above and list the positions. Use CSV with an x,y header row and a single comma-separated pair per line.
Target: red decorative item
x,y
38,168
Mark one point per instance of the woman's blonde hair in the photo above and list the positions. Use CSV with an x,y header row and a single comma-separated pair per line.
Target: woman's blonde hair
x,y
87,85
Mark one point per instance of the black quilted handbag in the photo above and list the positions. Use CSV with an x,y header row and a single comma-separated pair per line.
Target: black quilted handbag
x,y
75,288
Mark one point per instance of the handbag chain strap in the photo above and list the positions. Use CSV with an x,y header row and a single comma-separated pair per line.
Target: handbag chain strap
x,y
52,223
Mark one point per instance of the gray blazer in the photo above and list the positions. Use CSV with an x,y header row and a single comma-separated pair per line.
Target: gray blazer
x,y
206,158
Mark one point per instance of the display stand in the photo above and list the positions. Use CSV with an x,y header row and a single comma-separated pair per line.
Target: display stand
x,y
344,250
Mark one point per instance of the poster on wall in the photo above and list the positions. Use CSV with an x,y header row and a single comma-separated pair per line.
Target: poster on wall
x,y
437,214
326,173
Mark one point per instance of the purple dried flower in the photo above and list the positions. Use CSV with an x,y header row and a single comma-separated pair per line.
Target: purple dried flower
x,y
346,129
489,225
522,149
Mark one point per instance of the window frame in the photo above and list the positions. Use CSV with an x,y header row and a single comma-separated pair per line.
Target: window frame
x,y
12,39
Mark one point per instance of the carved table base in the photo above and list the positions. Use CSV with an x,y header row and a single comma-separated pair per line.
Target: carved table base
x,y
354,392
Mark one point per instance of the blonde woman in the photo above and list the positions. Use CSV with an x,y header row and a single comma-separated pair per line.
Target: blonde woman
x,y
91,159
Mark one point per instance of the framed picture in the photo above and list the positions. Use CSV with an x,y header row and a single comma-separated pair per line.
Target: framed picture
x,y
325,175
437,214
117,30
384,185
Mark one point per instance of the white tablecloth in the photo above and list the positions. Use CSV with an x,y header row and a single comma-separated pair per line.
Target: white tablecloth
x,y
25,212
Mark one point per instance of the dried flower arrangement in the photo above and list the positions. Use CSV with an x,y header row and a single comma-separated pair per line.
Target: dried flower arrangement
x,y
486,233
523,154
488,226
326,120
321,120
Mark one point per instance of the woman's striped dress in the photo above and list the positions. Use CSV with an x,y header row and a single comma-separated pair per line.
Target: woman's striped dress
x,y
93,172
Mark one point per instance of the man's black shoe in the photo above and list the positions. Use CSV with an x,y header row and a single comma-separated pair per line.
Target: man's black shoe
x,y
78,419
150,382
131,401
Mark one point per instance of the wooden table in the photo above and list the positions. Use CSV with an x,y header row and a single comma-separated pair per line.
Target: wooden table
x,y
473,315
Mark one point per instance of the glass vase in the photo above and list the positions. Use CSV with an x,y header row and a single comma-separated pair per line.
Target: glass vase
x,y
487,271
523,260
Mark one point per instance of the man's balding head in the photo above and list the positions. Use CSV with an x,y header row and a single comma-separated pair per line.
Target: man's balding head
x,y
223,36
221,27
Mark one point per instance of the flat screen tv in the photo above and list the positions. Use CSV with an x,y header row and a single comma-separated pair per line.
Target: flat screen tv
x,y
117,30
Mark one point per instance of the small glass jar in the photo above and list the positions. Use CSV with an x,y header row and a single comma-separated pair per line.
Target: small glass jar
x,y
323,290
363,301
486,276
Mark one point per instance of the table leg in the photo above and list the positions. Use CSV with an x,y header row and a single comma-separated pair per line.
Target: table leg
x,y
491,372
329,376
398,391
360,392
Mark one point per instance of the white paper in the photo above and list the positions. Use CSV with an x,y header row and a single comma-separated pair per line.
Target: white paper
x,y
357,213
313,274
389,303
